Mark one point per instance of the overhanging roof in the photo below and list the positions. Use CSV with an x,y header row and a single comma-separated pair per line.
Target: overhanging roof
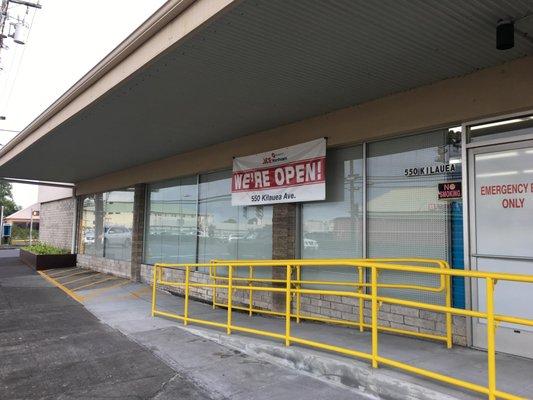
x,y
254,65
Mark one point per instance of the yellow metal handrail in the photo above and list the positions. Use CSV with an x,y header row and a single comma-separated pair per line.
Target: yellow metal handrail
x,y
374,267
445,286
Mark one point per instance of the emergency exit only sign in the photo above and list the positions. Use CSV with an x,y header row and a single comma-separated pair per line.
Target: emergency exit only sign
x,y
450,190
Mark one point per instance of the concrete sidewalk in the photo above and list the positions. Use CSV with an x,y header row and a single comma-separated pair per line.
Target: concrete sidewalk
x,y
52,347
127,308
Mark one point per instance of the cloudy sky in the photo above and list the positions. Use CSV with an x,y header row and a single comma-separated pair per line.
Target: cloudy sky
x,y
67,38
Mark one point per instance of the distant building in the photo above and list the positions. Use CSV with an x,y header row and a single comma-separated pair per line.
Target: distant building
x,y
23,217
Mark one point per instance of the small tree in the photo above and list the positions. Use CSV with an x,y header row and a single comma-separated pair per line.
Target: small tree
x,y
6,198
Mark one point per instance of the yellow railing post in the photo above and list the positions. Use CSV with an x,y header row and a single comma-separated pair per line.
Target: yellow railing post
x,y
361,300
298,294
230,285
449,320
374,283
164,279
186,306
251,295
214,289
288,307
154,284
491,340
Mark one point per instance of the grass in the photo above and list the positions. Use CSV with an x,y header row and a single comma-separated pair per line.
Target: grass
x,y
41,249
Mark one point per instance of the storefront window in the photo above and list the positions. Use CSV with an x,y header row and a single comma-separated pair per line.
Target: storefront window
x,y
92,226
333,228
405,218
171,221
106,227
228,232
118,224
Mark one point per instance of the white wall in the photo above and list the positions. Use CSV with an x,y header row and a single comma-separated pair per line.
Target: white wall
x,y
50,193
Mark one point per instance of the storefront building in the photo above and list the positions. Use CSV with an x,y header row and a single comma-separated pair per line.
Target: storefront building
x,y
434,161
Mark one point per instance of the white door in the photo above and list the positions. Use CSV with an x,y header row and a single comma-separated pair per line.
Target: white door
x,y
501,238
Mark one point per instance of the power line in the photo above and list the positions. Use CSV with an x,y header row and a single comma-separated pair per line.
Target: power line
x,y
14,81
20,34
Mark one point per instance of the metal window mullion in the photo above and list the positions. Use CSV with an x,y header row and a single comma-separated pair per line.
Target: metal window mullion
x,y
146,218
364,227
466,230
197,216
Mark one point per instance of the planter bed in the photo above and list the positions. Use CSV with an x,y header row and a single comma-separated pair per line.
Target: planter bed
x,y
47,261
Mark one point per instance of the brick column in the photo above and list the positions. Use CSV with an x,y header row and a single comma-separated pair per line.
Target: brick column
x,y
283,245
137,239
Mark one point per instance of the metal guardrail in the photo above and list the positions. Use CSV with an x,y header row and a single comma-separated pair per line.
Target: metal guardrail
x,y
292,287
359,284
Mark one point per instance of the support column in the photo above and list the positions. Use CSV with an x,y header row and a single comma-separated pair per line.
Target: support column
x,y
283,246
137,236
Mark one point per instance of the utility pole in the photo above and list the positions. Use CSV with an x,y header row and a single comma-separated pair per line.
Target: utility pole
x,y
31,226
20,26
3,19
2,225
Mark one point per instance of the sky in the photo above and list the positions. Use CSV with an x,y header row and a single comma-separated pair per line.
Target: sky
x,y
67,38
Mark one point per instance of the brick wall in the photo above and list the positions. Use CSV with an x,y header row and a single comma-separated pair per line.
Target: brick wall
x,y
56,219
137,239
283,245
389,315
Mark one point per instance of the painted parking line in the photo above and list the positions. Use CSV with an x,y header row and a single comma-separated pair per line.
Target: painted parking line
x,y
80,279
98,292
138,293
94,283
61,272
76,297
74,274
94,291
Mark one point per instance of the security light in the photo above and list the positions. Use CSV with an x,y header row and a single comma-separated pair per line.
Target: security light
x,y
504,35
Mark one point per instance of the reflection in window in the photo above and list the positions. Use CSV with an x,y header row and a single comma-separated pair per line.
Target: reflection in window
x,y
92,226
229,232
405,217
106,225
333,228
171,221
118,224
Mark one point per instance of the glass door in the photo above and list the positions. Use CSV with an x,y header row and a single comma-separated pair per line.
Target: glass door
x,y
501,237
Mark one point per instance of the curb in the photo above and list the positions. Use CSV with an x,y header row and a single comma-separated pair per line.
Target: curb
x,y
353,374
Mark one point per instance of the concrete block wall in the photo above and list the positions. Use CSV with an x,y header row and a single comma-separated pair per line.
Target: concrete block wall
x,y
343,308
389,315
284,244
112,267
56,220
262,300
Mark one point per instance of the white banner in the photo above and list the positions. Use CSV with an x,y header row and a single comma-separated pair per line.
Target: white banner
x,y
288,175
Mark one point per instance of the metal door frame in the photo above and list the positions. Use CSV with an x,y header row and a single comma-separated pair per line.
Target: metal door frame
x,y
465,160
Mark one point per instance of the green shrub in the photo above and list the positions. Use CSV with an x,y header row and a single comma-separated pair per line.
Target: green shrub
x,y
41,248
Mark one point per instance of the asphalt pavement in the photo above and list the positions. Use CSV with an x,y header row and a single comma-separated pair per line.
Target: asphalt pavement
x,y
51,347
